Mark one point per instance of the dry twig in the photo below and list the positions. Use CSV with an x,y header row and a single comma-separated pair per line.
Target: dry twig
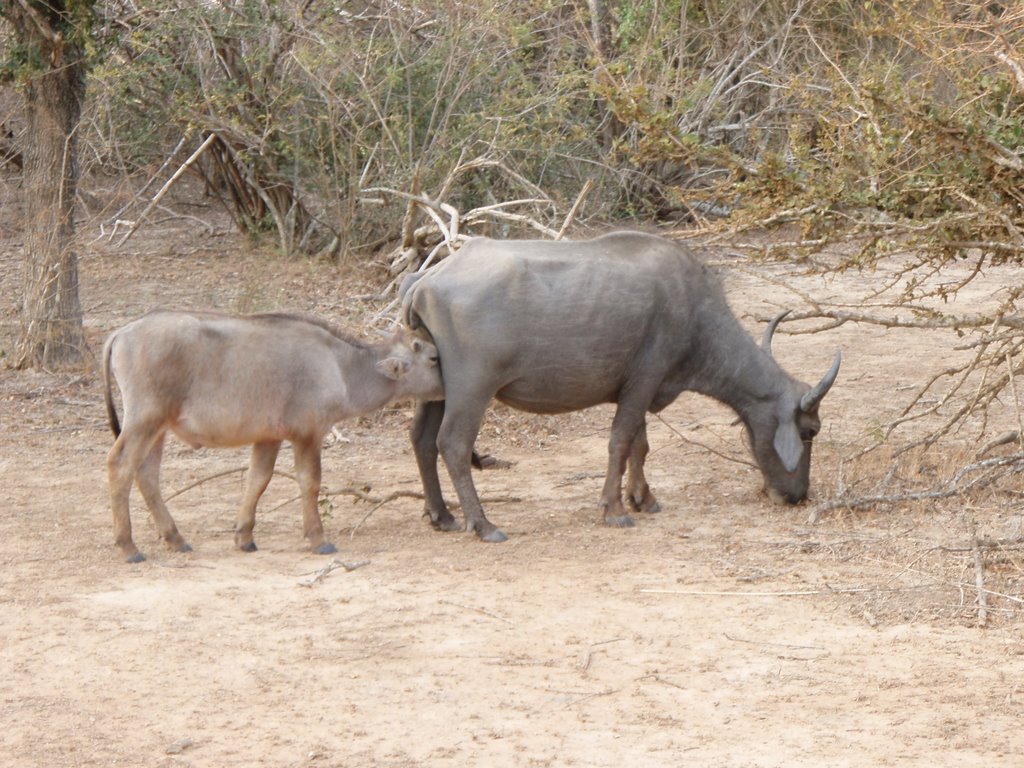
x,y
990,470
335,563
483,611
979,577
166,187
217,475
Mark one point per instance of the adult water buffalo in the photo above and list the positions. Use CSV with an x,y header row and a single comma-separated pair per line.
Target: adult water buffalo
x,y
626,318
218,380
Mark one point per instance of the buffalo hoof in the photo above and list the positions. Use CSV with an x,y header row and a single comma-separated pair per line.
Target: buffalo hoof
x,y
494,536
619,521
444,522
250,547
137,557
325,549
487,531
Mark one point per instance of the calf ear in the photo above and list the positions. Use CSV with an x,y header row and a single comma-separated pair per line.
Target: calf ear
x,y
788,444
393,368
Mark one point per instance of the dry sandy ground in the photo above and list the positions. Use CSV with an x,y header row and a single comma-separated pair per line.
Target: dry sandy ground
x,y
721,632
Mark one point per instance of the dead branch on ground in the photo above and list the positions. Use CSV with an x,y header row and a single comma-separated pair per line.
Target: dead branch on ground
x,y
985,473
378,503
334,565
979,577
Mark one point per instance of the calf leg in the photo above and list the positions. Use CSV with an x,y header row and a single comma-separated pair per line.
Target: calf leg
x,y
261,469
307,471
425,427
148,479
455,440
638,493
123,462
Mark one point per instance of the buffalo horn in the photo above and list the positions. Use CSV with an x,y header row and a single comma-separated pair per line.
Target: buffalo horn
x,y
766,340
814,396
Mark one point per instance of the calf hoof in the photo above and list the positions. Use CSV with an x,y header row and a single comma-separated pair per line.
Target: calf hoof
x,y
136,557
250,547
325,549
184,546
646,503
652,506
619,521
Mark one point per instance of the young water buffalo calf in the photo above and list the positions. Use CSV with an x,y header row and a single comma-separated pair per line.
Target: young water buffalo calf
x,y
218,381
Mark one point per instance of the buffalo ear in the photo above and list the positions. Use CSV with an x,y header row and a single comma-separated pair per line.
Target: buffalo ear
x,y
788,444
393,368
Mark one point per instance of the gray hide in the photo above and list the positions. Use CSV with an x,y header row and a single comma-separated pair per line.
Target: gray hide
x,y
218,380
627,318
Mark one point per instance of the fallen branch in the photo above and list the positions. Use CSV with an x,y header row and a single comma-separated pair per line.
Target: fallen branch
x,y
445,230
951,487
484,611
718,453
449,230
1004,439
358,494
979,577
166,187
785,593
984,542
378,503
115,218
335,564
584,663
571,216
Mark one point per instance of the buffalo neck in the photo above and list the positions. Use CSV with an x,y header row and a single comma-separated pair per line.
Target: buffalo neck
x,y
731,368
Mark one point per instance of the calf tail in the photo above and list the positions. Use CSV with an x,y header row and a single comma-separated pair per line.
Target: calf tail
x,y
108,396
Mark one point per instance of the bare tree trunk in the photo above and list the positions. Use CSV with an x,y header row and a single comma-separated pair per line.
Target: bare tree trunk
x,y
51,318
600,33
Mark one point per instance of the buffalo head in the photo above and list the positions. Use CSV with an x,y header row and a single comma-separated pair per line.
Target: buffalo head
x,y
783,429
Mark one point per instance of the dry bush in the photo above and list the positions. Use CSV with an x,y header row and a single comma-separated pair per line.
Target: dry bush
x,y
310,105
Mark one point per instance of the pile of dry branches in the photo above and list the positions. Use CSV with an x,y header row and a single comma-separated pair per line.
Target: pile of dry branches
x,y
425,241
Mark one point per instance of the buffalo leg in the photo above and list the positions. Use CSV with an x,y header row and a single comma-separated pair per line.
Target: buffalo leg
x,y
638,492
148,480
425,427
455,440
261,469
307,471
626,426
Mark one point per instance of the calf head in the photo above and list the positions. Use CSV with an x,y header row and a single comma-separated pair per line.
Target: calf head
x,y
412,363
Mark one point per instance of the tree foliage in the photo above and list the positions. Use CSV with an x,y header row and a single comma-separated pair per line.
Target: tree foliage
x,y
676,109
316,101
